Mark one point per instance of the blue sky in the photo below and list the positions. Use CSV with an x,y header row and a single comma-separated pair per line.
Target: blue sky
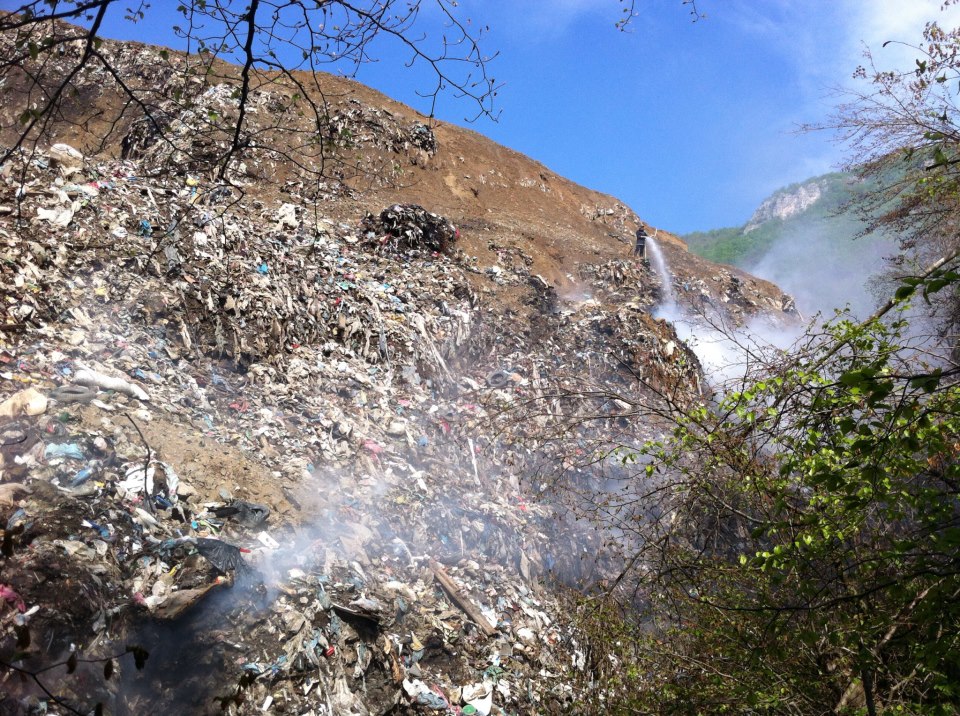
x,y
691,124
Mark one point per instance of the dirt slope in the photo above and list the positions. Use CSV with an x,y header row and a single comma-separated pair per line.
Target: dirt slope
x,y
351,435
496,195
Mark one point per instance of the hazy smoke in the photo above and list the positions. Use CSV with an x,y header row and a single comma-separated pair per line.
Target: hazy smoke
x,y
824,273
726,352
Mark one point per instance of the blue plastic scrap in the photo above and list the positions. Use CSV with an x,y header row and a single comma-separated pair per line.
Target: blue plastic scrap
x,y
432,701
82,476
70,450
101,530
17,518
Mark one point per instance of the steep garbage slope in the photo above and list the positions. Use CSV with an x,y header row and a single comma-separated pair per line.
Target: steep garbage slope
x,y
378,147
348,390
270,434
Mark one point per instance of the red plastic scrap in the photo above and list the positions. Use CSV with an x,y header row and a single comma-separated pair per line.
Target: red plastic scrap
x,y
10,595
439,692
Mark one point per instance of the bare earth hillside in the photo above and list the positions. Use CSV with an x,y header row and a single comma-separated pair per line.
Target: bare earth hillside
x,y
298,438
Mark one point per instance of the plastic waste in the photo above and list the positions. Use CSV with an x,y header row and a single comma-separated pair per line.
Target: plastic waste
x,y
68,450
424,695
287,217
82,476
267,541
479,696
247,513
85,376
65,155
224,557
11,597
26,402
136,480
59,216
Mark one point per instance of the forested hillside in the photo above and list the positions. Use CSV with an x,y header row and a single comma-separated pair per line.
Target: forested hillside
x,y
830,216
813,239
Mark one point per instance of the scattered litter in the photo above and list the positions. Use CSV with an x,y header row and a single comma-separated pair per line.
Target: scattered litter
x,y
88,377
26,402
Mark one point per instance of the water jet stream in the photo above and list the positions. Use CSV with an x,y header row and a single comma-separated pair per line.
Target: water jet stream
x,y
668,302
667,309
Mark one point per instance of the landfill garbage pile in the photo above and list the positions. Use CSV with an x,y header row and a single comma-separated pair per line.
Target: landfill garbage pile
x,y
410,227
423,137
362,384
186,107
295,446
381,550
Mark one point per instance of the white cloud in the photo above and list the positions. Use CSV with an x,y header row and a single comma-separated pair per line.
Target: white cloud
x,y
882,20
823,40
870,25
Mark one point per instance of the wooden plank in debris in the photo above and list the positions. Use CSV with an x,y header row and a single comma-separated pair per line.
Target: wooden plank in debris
x,y
182,600
461,600
357,618
396,669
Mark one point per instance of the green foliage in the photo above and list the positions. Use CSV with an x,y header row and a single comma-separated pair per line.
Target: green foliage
x,y
731,245
831,217
813,565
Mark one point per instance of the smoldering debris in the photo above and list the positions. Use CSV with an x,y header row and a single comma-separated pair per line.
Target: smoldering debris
x,y
331,508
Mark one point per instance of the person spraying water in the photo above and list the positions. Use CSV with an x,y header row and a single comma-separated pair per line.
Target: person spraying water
x,y
640,247
659,264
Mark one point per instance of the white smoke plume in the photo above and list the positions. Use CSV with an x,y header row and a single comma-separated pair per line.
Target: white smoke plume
x,y
823,273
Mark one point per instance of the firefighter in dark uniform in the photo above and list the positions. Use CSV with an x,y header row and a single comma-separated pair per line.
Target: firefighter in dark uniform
x,y
640,248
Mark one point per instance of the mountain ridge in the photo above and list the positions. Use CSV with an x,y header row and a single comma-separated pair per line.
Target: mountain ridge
x,y
809,238
786,202
823,200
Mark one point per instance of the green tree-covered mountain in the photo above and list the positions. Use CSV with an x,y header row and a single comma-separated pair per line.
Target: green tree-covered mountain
x,y
808,239
818,204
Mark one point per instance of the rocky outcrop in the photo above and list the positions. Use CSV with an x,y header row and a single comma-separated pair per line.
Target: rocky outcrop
x,y
785,204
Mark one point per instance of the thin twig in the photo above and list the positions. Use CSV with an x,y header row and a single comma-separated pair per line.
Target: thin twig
x,y
147,488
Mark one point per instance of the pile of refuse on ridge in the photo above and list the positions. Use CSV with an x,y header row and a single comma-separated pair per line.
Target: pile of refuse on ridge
x,y
287,456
